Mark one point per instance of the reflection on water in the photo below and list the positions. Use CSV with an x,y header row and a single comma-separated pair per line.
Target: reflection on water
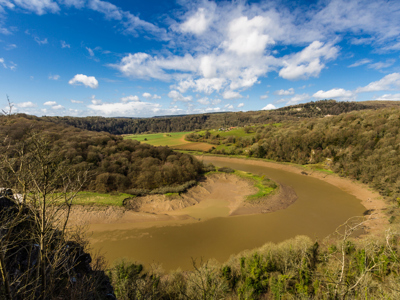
x,y
320,208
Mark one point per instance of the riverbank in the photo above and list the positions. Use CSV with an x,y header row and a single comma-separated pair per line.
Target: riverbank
x,y
373,202
216,195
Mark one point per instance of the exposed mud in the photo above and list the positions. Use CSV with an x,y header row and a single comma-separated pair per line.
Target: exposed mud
x,y
216,195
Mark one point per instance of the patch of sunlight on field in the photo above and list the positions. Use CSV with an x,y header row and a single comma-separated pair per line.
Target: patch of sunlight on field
x,y
161,139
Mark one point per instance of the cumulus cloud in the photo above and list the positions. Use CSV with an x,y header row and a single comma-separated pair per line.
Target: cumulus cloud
x,y
231,95
130,98
88,81
57,107
96,101
176,96
204,101
388,97
132,109
146,95
284,92
50,103
297,99
198,22
240,105
27,104
309,62
145,66
268,107
263,97
334,94
388,82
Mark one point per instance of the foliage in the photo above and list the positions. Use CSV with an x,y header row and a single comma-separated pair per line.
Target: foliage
x,y
295,269
114,164
362,145
208,121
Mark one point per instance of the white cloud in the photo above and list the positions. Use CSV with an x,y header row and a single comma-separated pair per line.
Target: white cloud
x,y
382,65
284,92
308,62
54,77
268,107
28,104
228,106
145,66
204,101
131,109
146,95
41,42
57,107
247,37
108,9
334,94
91,53
198,22
216,101
240,105
88,81
360,63
12,66
3,63
388,82
155,96
130,98
65,45
96,101
263,97
176,96
388,97
297,99
10,47
231,95
76,101
50,103
39,7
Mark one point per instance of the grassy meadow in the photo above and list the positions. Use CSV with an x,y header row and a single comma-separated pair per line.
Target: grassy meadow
x,y
100,199
160,139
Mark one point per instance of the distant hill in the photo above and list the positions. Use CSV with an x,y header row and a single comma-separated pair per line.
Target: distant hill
x,y
215,120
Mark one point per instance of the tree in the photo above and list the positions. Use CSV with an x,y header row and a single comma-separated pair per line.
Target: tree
x,y
38,257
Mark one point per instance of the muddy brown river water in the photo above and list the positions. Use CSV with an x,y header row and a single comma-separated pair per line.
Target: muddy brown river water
x,y
318,211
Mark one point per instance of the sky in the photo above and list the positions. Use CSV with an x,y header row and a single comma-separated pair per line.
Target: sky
x,y
156,57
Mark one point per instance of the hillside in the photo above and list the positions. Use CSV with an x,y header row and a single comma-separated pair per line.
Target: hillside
x,y
214,120
113,164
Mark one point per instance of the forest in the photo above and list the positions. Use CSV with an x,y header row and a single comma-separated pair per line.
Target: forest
x,y
362,145
209,121
113,164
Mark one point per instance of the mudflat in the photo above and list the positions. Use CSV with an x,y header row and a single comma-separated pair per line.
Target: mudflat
x,y
216,195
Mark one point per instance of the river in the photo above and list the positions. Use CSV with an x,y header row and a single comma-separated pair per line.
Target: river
x,y
318,211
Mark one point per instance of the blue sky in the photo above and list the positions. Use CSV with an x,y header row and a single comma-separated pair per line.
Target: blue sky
x,y
149,58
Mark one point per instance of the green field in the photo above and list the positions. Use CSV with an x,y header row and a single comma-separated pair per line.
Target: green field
x,y
90,198
160,139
